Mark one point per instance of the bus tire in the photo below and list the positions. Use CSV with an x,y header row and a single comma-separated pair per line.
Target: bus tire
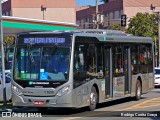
x,y
138,91
93,99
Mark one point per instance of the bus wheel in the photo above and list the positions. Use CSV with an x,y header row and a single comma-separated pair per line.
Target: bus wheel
x,y
93,99
138,90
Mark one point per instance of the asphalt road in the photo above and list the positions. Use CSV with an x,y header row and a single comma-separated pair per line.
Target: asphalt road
x,y
148,108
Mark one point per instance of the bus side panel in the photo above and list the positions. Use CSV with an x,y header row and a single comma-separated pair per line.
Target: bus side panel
x,y
151,80
145,83
82,93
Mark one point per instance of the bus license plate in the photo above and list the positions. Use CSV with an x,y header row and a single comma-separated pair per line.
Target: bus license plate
x,y
38,102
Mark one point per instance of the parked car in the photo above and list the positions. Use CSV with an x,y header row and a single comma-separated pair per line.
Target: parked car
x,y
8,85
157,77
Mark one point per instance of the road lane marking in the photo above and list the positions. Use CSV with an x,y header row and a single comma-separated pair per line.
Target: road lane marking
x,y
145,104
90,115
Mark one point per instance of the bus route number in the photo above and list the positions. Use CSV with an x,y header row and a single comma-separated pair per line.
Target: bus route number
x,y
49,92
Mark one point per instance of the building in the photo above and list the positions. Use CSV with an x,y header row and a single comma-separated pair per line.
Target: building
x,y
53,10
78,8
113,10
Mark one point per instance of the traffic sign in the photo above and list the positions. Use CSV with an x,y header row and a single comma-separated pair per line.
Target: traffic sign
x,y
123,20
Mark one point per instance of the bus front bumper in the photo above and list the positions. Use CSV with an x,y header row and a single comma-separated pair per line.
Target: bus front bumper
x,y
30,101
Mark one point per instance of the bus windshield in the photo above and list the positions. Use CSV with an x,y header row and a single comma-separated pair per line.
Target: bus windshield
x,y
42,63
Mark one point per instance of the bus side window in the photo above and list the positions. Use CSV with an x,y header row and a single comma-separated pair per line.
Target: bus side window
x,y
79,65
134,59
143,59
91,60
118,61
99,56
150,60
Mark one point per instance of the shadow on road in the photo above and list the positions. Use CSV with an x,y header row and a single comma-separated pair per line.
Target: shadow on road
x,y
59,112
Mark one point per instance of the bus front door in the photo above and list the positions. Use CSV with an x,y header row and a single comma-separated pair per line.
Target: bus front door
x,y
108,72
127,70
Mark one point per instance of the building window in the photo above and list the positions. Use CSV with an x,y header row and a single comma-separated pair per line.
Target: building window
x,y
10,13
7,13
120,14
113,15
90,20
79,23
86,19
108,19
108,16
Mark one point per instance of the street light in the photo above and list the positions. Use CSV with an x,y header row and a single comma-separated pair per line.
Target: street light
x,y
3,64
43,8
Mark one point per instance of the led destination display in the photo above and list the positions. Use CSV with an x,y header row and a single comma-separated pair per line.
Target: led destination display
x,y
64,40
51,40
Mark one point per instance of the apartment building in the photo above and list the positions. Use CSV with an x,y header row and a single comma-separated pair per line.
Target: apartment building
x,y
53,10
113,10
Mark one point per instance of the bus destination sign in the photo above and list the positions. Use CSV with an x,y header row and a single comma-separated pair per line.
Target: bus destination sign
x,y
47,40
41,40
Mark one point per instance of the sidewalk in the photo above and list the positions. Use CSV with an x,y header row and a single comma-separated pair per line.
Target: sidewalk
x,y
8,107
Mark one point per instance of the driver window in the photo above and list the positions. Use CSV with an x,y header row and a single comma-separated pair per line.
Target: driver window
x,y
79,59
79,65
85,63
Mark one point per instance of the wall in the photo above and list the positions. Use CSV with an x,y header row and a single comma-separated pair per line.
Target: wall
x,y
56,10
131,8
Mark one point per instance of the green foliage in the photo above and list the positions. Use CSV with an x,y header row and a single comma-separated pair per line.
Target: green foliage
x,y
143,24
117,27
105,1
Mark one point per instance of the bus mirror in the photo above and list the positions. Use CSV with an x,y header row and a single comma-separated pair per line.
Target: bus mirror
x,y
81,59
7,55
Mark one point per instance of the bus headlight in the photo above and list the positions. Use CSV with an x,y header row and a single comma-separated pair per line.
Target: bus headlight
x,y
64,90
16,90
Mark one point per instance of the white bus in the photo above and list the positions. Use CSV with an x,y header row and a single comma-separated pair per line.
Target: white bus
x,y
80,68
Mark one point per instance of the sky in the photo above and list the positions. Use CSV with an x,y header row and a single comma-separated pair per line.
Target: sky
x,y
86,2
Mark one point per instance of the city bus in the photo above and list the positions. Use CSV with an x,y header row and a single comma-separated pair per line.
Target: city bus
x,y
81,68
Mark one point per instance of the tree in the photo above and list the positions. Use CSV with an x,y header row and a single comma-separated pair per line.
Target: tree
x,y
143,24
117,27
105,1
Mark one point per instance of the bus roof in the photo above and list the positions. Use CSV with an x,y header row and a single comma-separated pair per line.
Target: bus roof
x,y
112,36
101,35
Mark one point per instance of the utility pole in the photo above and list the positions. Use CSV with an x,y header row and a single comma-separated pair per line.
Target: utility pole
x,y
155,49
97,24
159,36
158,20
43,8
3,64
